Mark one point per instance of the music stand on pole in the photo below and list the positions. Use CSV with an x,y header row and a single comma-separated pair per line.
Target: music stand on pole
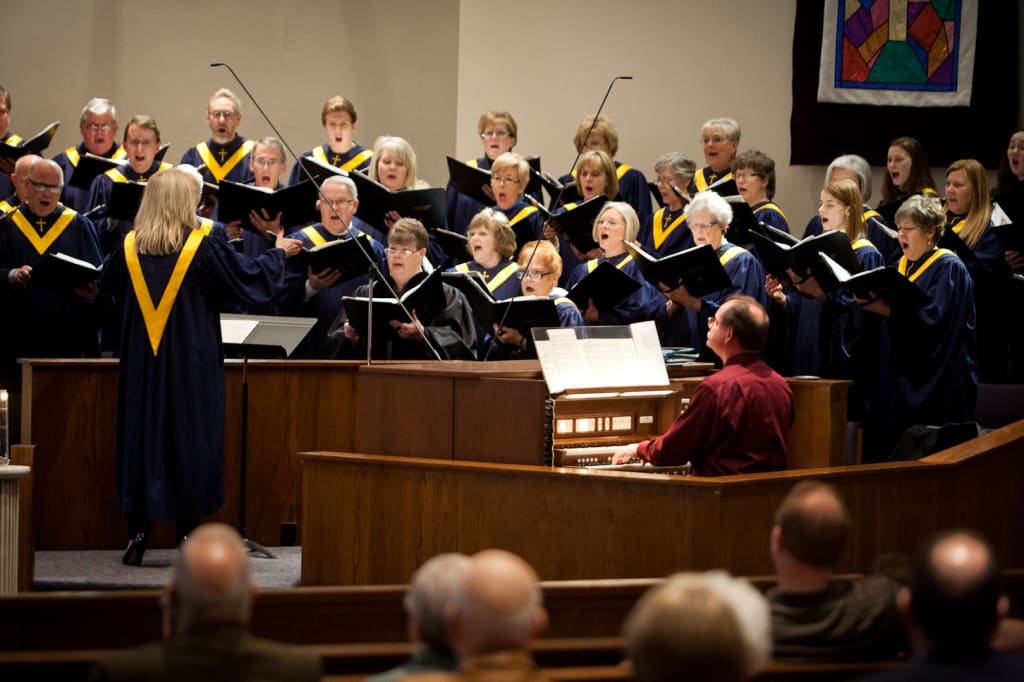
x,y
257,337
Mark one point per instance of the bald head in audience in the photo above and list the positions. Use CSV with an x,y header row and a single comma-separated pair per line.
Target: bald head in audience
x,y
211,581
698,626
809,535
499,606
954,598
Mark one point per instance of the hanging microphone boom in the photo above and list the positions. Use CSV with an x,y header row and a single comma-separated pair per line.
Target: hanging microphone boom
x,y
561,191
326,202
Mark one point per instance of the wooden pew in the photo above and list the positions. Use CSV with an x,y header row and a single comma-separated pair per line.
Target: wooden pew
x,y
370,519
356,630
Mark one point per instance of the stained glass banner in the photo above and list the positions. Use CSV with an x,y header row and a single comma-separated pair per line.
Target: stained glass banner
x,y
917,53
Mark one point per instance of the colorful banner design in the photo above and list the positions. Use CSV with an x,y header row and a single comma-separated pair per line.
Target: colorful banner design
x,y
917,53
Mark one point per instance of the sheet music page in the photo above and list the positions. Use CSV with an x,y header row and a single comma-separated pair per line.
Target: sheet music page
x,y
649,369
601,357
236,331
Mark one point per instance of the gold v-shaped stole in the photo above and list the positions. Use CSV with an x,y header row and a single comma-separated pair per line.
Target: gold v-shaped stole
x,y
156,317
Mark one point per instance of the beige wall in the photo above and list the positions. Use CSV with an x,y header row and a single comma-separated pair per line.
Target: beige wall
x,y
424,70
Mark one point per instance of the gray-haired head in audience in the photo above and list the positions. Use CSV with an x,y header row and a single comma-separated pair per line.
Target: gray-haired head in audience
x,y
433,586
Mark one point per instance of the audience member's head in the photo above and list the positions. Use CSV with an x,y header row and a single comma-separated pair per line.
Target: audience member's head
x,y
699,626
433,586
211,582
954,597
498,607
811,526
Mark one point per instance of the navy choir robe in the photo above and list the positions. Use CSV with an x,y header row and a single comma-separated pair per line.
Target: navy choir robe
x,y
706,176
222,161
770,214
876,231
452,331
934,346
522,213
666,233
73,197
646,303
690,328
40,322
994,287
501,280
170,435
110,230
324,305
358,158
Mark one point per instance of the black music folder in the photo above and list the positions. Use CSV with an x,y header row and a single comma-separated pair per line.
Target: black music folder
x,y
343,255
885,283
89,166
375,201
62,274
426,299
952,241
577,223
780,254
521,313
697,268
319,170
296,203
606,286
453,243
125,199
474,182
1012,236
34,145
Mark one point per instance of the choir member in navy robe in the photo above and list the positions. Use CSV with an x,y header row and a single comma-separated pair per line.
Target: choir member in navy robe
x,y
447,334
394,166
98,125
826,333
907,172
667,232
141,142
318,294
172,281
267,163
602,135
720,138
223,156
6,137
498,132
969,216
876,230
491,244
594,176
709,216
539,269
42,322
616,224
510,174
933,349
340,121
754,173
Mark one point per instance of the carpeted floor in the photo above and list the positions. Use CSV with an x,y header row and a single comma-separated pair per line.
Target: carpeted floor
x,y
103,570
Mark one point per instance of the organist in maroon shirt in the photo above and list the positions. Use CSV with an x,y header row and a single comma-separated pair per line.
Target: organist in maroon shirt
x,y
738,418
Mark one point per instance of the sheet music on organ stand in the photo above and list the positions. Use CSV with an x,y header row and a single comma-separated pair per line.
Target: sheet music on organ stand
x,y
602,362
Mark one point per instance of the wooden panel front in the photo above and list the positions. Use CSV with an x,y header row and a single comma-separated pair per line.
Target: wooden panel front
x,y
372,520
70,416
